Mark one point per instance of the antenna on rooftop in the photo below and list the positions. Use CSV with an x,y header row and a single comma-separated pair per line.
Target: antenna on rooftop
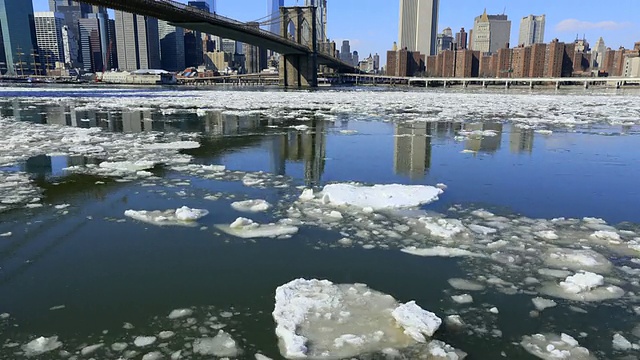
x,y
504,11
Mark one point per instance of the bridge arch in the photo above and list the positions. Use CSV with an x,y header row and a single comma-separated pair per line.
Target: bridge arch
x,y
299,70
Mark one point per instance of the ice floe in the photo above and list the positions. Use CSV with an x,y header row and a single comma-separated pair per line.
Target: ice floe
x,y
251,205
247,228
379,197
183,216
41,345
317,319
583,286
554,347
222,345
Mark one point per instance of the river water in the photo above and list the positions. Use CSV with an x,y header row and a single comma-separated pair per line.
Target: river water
x,y
529,176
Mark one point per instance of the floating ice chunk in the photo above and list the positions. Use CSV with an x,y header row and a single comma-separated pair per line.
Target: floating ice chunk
x,y
379,197
61,206
318,319
554,273
300,127
416,321
621,343
494,310
187,214
454,321
584,286
142,341
176,145
482,230
154,355
7,234
463,284
554,347
165,334
542,303
247,229
441,351
90,349
462,299
348,132
582,282
179,313
222,345
440,251
183,216
41,345
606,235
251,205
119,346
577,260
443,228
307,194
482,214
128,166
262,357
547,235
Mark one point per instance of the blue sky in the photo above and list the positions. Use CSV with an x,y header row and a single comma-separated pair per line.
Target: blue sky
x,y
372,25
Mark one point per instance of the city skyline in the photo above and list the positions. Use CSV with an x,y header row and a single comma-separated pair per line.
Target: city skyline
x,y
617,25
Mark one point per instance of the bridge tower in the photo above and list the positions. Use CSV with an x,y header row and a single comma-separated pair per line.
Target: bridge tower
x,y
299,24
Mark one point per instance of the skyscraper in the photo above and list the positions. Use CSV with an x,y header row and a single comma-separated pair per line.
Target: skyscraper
x,y
461,39
91,37
532,30
49,36
171,46
321,18
138,41
273,11
345,52
18,35
597,54
490,32
418,25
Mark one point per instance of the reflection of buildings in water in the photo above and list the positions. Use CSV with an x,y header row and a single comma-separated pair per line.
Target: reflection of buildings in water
x,y
309,147
57,115
445,129
24,112
217,123
489,144
412,155
520,140
43,165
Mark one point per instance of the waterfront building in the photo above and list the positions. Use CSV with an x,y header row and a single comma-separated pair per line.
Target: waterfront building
x,y
491,32
172,49
138,41
19,37
405,63
461,39
532,30
48,27
631,67
418,26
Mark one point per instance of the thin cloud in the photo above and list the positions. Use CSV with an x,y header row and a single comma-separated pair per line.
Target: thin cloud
x,y
573,25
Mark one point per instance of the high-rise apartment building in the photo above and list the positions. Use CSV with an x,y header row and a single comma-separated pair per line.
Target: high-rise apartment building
x,y
418,25
138,41
3,58
490,33
532,30
19,36
461,39
444,40
172,48
48,27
